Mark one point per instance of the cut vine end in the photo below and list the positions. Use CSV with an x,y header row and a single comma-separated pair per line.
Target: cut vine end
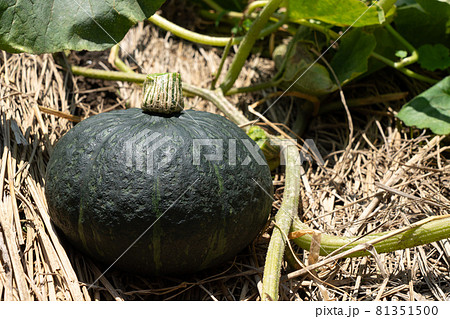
x,y
163,93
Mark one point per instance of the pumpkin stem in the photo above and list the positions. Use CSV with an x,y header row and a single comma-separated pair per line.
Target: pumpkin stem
x,y
163,93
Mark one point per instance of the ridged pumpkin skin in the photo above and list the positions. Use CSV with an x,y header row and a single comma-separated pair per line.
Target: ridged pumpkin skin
x,y
104,193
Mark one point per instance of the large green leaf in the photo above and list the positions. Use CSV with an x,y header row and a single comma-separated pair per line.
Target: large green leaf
x,y
424,22
430,109
351,60
51,26
432,57
337,12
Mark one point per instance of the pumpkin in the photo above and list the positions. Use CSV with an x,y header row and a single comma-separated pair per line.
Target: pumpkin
x,y
160,190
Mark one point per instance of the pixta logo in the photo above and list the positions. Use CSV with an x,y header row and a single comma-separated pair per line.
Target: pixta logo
x,y
140,151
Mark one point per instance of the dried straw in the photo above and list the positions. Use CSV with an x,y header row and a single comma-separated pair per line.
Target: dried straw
x,y
36,263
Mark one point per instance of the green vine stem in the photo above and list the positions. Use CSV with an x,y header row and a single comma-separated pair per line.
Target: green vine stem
x,y
225,53
255,5
205,39
190,35
115,60
283,220
247,44
108,75
405,71
417,76
414,54
429,232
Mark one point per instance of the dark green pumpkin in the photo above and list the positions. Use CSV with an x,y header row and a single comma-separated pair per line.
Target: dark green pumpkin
x,y
124,186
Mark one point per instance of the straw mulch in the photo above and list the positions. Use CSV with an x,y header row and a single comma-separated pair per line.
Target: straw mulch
x,y
37,264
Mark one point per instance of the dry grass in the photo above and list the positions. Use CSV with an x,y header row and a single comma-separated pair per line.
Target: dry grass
x,y
36,263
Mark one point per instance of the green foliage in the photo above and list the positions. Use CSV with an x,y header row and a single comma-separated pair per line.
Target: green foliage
x,y
52,26
432,57
351,60
438,8
301,73
418,25
336,12
424,22
431,109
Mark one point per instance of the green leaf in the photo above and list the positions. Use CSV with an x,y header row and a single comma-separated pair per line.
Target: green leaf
x,y
432,57
302,72
430,109
401,54
424,23
351,60
337,12
438,8
52,26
